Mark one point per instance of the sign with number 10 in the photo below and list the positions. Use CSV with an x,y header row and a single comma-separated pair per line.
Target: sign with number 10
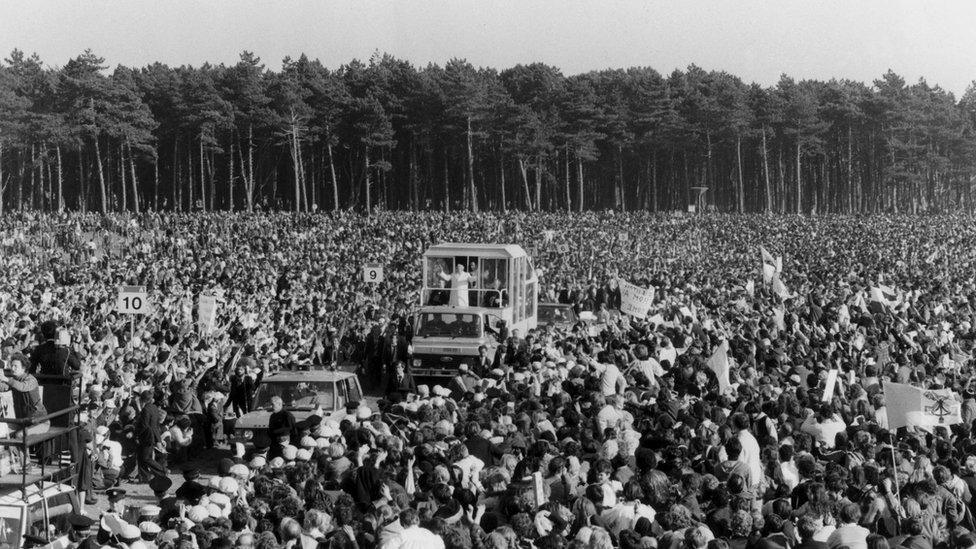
x,y
132,300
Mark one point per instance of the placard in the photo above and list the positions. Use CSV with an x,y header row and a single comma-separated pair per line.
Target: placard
x,y
207,313
132,300
634,300
373,273
828,394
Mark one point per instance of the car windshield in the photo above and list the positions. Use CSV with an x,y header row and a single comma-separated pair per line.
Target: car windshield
x,y
449,325
297,394
549,313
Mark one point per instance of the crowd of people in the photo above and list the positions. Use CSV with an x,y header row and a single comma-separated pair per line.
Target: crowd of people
x,y
612,435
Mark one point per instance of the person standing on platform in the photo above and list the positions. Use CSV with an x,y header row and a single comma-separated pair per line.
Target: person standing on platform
x,y
459,285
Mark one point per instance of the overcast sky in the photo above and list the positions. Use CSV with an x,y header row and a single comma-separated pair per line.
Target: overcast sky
x,y
757,40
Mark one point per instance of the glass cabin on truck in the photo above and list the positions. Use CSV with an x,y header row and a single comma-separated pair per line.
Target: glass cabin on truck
x,y
471,294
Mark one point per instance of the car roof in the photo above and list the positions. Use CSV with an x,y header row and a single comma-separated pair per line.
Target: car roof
x,y
490,251
309,375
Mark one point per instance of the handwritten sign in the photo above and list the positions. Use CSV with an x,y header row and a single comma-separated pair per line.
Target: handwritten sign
x,y
634,300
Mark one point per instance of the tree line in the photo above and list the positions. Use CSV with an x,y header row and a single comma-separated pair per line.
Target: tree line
x,y
386,134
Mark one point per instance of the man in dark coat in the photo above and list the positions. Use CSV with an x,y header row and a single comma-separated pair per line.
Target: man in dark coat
x,y
51,359
149,433
401,382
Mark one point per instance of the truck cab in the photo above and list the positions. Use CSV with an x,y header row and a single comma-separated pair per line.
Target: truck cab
x,y
473,295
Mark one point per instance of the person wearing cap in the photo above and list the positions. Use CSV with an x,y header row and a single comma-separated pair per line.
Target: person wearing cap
x,y
149,531
115,496
191,483
465,381
81,531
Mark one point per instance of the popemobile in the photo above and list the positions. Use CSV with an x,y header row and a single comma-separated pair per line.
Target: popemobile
x,y
473,295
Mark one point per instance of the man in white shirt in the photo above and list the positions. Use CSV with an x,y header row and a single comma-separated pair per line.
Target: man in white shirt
x,y
625,514
412,536
650,368
823,426
751,454
611,414
612,380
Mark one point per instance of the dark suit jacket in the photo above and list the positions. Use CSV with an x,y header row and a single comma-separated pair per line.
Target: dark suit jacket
x,y
149,430
484,450
51,359
406,385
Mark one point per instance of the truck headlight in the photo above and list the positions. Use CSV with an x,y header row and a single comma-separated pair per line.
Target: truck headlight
x,y
416,362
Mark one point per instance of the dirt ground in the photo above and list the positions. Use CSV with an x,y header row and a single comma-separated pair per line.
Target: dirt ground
x,y
138,495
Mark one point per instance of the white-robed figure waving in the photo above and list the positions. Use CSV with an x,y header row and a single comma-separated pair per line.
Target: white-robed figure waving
x,y
459,280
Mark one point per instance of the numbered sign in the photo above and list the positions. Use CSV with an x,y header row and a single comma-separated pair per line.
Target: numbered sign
x,y
373,273
132,300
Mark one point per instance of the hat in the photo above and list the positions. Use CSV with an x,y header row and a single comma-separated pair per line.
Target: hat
x,y
441,391
149,530
149,511
329,429
322,442
101,432
115,494
277,463
168,536
130,533
214,510
191,473
304,455
258,462
240,470
363,413
308,442
220,499
80,521
289,452
197,513
229,486
423,391
160,484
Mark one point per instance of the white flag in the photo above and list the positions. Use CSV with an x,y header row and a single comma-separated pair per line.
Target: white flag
x,y
913,406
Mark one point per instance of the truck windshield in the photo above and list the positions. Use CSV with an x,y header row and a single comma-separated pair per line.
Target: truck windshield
x,y
302,395
449,325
